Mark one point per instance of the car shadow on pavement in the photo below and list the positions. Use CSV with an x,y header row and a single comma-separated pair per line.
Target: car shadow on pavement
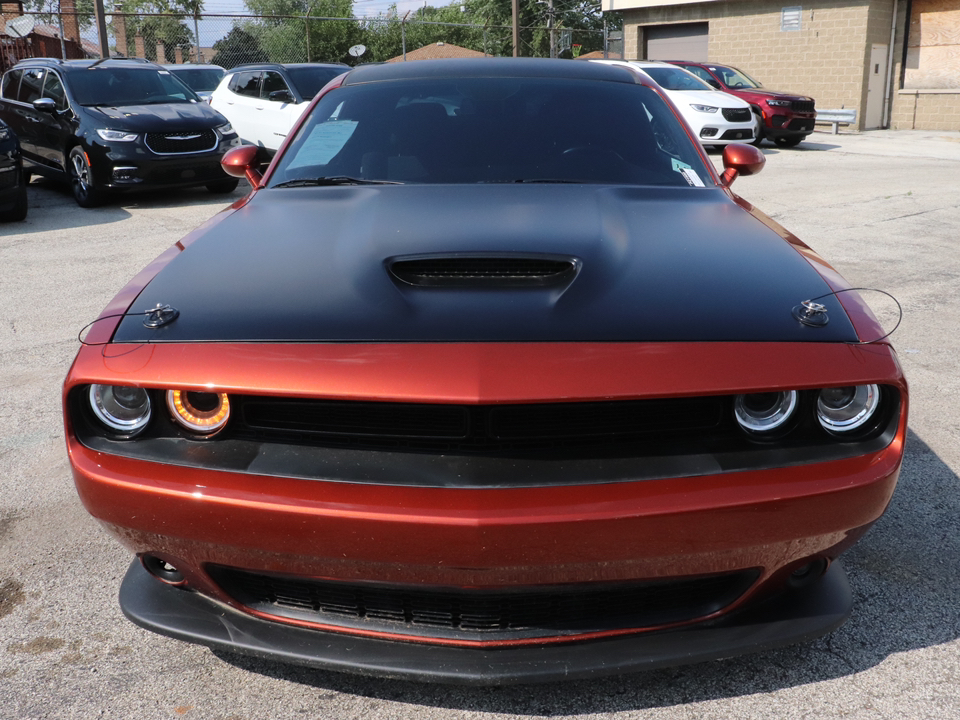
x,y
904,575
51,206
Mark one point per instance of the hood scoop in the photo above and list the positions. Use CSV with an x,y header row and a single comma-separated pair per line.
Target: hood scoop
x,y
475,271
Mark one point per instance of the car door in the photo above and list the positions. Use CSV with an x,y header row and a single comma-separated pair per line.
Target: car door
x,y
240,103
276,114
53,129
25,119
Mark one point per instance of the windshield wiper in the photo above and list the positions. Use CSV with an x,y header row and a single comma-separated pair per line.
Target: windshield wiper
x,y
333,180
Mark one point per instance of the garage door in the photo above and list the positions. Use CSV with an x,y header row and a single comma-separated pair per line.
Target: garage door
x,y
686,41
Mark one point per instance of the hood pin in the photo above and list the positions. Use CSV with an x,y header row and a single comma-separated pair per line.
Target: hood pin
x,y
160,315
811,313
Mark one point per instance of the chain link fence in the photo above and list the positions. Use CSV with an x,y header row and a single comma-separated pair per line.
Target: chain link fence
x,y
229,40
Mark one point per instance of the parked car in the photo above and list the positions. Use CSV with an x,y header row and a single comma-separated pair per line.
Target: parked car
x,y
785,118
715,117
264,100
489,395
114,125
201,78
13,186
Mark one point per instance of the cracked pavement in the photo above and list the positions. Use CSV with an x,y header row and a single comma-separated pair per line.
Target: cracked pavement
x,y
883,207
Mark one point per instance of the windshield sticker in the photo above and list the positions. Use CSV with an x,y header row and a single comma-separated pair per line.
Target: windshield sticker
x,y
691,177
324,141
679,165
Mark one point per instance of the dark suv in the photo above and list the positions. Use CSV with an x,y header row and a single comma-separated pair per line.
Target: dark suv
x,y
785,118
13,189
109,125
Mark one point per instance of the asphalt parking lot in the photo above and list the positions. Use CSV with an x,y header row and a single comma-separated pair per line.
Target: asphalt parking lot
x,y
883,207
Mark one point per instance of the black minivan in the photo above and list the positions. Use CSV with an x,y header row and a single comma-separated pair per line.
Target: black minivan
x,y
112,125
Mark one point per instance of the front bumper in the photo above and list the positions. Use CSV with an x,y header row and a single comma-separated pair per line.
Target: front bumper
x,y
791,618
133,166
789,125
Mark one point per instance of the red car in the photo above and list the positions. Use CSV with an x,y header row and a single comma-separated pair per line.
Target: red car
x,y
466,391
785,118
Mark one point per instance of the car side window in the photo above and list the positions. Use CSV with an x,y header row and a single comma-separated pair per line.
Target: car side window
x,y
248,84
11,84
53,89
701,73
30,85
272,82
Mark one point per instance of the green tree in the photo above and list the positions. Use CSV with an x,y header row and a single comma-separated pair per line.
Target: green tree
x,y
293,31
384,36
167,22
237,48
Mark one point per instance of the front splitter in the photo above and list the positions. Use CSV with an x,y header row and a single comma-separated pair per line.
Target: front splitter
x,y
787,619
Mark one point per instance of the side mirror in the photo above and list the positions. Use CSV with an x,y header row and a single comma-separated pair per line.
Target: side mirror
x,y
243,162
741,159
47,105
715,84
281,96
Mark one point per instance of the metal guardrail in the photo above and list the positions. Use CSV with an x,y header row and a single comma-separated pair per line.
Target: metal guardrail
x,y
836,118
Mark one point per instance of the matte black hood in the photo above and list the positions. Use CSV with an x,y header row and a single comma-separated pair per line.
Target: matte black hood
x,y
162,117
658,264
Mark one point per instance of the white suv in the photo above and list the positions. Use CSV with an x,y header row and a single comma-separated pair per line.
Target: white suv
x,y
263,101
716,117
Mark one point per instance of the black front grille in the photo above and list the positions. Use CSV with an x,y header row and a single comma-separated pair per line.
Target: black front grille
x,y
180,143
804,106
540,611
483,270
467,428
737,114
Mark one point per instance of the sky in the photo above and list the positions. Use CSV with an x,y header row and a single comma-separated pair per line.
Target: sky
x,y
361,8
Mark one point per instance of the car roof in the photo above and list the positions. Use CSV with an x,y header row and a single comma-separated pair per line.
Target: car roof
x,y
193,66
284,66
79,65
490,67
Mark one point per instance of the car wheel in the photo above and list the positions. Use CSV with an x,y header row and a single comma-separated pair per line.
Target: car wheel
x,y
19,210
81,180
223,186
757,130
788,141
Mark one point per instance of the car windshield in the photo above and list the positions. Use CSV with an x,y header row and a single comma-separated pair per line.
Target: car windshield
x,y
310,80
735,78
200,79
493,130
119,86
673,78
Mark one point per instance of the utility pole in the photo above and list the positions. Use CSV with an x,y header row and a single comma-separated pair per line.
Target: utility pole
x,y
516,28
102,29
551,30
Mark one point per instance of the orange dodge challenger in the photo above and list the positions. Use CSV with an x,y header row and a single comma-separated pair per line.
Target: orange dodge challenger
x,y
471,388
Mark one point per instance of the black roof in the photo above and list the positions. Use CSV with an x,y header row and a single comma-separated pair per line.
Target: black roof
x,y
76,65
490,67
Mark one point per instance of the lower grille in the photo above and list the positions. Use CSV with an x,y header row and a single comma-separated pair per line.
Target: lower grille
x,y
737,114
737,135
181,143
208,172
464,428
498,614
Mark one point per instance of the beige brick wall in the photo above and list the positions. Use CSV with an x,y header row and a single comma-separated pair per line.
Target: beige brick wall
x,y
827,59
926,111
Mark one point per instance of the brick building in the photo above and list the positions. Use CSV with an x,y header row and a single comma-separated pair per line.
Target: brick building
x,y
896,61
